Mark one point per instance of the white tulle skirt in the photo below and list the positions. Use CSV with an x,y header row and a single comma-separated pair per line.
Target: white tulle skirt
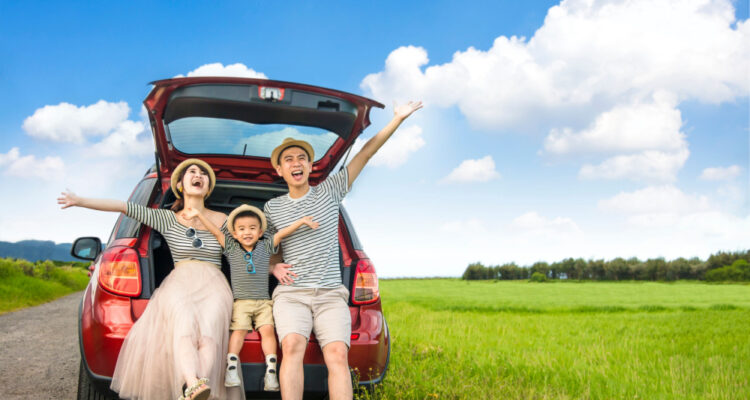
x,y
184,331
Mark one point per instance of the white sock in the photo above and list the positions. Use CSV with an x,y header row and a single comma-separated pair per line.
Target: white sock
x,y
232,360
271,364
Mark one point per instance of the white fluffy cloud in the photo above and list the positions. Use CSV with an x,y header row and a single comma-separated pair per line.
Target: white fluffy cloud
x,y
219,69
103,125
649,165
655,199
534,223
128,138
588,56
48,168
397,150
66,122
647,132
604,77
481,170
667,218
640,126
720,173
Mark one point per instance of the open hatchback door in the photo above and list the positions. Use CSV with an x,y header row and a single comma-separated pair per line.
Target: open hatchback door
x,y
235,123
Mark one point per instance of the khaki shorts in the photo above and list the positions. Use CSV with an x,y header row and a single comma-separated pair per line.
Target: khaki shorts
x,y
246,313
325,312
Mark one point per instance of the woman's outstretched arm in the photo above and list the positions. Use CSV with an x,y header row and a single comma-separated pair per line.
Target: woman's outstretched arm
x,y
70,199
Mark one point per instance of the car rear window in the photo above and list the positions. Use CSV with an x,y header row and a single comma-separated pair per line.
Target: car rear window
x,y
205,135
243,119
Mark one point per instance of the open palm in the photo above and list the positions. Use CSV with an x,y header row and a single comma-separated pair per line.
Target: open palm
x,y
67,199
405,110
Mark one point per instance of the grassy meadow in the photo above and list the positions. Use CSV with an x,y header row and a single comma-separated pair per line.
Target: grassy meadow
x,y
456,339
25,284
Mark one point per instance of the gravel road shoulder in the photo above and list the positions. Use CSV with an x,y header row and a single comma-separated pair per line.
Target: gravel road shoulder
x,y
40,356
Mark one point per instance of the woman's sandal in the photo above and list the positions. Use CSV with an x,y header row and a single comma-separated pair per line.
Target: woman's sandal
x,y
197,391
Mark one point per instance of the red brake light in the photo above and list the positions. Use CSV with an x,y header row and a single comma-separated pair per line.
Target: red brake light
x,y
119,271
365,283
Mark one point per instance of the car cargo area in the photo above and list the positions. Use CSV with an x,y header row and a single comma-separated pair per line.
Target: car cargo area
x,y
226,197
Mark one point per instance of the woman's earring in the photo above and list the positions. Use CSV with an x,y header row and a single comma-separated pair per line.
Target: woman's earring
x,y
179,188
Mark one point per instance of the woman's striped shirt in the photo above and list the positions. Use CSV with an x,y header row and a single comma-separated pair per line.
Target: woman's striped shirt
x,y
176,234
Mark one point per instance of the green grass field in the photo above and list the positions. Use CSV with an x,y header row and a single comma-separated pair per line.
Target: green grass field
x,y
25,284
455,339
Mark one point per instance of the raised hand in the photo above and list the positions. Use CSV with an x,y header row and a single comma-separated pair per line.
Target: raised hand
x,y
405,110
309,222
283,273
68,199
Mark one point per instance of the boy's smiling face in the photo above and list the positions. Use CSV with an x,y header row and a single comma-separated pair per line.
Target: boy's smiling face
x,y
247,230
294,166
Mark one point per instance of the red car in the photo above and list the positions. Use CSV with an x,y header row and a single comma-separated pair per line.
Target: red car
x,y
233,124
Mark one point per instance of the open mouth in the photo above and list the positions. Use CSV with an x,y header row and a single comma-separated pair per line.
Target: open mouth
x,y
297,174
197,184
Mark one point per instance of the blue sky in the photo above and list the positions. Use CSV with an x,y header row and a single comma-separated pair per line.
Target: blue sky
x,y
551,130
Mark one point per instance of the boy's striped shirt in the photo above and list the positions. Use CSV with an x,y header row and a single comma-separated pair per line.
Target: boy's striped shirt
x,y
247,285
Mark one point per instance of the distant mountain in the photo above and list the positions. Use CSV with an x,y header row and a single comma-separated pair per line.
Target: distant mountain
x,y
35,250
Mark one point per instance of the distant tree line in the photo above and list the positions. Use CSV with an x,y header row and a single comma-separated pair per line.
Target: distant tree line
x,y
722,266
36,250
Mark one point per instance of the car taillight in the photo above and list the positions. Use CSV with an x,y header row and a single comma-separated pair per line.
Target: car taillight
x,y
365,283
119,271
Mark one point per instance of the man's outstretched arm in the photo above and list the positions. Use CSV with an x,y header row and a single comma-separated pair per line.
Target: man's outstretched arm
x,y
400,113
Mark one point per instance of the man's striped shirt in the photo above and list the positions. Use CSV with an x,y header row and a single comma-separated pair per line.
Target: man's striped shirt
x,y
313,253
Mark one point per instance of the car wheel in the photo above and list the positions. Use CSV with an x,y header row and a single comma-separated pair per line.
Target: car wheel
x,y
87,390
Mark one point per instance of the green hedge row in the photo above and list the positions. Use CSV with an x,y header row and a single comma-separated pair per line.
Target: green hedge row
x,y
24,284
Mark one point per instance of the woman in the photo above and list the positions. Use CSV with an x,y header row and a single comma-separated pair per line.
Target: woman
x,y
177,347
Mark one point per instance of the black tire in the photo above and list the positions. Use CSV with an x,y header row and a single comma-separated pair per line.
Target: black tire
x,y
88,391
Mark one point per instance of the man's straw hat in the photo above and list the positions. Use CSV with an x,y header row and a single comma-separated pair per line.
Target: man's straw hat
x,y
291,142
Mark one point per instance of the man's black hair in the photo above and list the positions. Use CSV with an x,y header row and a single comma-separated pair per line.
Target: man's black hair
x,y
278,159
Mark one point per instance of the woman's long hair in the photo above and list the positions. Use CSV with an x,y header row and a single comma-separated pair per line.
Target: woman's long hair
x,y
179,204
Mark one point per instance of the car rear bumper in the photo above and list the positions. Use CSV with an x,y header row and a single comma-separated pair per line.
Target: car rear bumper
x,y
316,375
316,378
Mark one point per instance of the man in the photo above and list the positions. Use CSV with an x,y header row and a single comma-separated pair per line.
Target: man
x,y
316,300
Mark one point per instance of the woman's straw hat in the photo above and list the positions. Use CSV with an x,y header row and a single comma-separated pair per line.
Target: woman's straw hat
x,y
184,165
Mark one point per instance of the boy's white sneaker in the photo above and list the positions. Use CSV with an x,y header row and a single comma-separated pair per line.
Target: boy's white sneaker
x,y
270,382
232,378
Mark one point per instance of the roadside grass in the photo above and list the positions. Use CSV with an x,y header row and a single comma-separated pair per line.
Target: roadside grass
x,y
25,284
454,339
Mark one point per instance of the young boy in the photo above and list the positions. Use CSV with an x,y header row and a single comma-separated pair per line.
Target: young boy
x,y
316,300
248,255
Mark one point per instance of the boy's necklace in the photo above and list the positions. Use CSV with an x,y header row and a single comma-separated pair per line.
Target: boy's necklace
x,y
245,248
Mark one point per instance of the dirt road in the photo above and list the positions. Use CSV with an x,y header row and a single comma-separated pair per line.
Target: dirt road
x,y
39,351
